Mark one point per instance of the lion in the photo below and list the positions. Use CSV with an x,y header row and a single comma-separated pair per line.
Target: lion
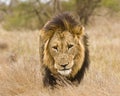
x,y
63,50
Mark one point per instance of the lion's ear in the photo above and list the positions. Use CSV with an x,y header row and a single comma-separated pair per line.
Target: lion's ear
x,y
78,30
44,35
45,32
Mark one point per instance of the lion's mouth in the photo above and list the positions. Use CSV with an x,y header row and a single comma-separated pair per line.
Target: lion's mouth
x,y
65,72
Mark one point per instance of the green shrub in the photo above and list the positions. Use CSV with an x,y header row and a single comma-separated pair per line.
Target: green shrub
x,y
114,5
68,5
22,16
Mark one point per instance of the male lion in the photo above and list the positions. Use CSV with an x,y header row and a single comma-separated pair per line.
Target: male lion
x,y
63,50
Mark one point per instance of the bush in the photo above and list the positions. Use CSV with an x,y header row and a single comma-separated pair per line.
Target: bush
x,y
68,5
33,15
113,5
85,9
26,16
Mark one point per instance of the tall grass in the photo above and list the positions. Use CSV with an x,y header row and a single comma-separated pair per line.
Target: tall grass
x,y
20,69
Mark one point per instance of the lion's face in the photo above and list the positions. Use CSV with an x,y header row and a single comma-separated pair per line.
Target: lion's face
x,y
63,51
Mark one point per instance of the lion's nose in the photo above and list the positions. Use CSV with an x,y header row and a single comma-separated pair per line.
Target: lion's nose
x,y
64,65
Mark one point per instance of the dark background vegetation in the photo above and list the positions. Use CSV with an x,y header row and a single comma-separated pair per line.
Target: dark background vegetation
x,y
32,14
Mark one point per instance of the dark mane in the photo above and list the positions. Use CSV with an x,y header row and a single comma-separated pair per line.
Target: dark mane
x,y
79,76
63,21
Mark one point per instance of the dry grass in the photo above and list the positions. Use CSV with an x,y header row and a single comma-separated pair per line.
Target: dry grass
x,y
20,69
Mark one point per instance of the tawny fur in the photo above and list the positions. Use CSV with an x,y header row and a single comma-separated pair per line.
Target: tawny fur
x,y
60,31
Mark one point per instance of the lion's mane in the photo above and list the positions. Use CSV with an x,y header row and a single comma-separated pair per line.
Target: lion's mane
x,y
63,21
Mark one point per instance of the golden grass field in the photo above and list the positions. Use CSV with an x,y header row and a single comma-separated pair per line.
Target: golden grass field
x,y
20,69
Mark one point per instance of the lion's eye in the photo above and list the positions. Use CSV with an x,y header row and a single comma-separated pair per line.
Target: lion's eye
x,y
55,47
70,46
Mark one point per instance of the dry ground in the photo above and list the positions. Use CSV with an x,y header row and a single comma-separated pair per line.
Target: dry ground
x,y
20,69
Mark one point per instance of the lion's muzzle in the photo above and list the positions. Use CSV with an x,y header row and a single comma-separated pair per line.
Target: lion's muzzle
x,y
64,69
65,72
64,65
